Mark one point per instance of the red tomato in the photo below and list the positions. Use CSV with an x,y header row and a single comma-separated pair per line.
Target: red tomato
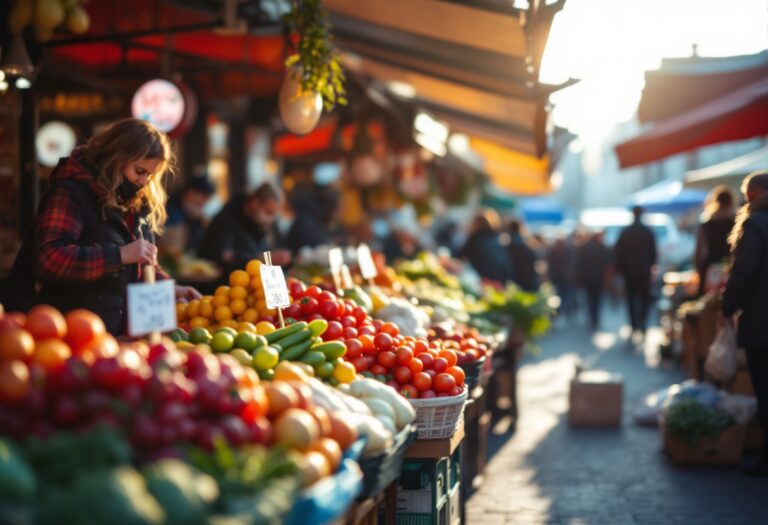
x,y
427,360
326,296
308,305
349,307
440,365
341,308
458,374
456,391
387,359
377,324
334,331
450,356
349,321
415,366
361,364
402,374
409,391
393,384
293,311
367,342
430,372
428,394
390,328
383,341
313,291
422,381
420,346
354,348
404,355
378,370
297,289
360,314
328,309
366,329
444,382
314,316
350,332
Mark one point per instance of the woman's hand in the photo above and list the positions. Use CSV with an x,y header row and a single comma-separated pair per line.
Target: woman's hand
x,y
186,293
141,251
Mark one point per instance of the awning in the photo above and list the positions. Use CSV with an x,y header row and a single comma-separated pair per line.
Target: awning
x,y
667,197
512,171
542,210
741,114
730,172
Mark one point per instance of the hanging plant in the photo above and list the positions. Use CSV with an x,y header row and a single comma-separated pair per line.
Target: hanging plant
x,y
316,62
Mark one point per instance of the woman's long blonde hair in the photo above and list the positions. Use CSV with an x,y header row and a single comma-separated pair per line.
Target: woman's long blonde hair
x,y
127,141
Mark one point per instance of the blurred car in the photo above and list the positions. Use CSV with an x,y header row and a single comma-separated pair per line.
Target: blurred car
x,y
675,248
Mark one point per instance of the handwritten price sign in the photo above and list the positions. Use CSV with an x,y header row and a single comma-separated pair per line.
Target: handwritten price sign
x,y
151,308
365,260
275,289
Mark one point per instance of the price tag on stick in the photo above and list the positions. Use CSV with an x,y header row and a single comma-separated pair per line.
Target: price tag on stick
x,y
336,260
346,277
365,260
275,290
151,307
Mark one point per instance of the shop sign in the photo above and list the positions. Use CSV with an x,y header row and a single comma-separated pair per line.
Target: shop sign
x,y
169,106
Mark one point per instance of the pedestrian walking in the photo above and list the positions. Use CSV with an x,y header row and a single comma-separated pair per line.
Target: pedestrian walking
x,y
484,250
593,261
561,266
635,256
712,239
747,293
523,258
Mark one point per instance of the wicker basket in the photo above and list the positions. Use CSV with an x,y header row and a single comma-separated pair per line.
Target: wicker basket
x,y
438,418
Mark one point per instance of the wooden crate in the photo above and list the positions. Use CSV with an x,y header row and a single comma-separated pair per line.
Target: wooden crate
x,y
726,450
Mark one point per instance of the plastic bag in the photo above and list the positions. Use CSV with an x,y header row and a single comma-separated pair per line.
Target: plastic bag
x,y
740,408
648,412
722,360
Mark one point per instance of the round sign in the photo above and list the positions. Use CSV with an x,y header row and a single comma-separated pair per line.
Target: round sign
x,y
163,104
54,140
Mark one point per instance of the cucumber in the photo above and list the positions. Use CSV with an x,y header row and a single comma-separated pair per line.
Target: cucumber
x,y
313,358
331,349
292,340
284,332
296,352
318,327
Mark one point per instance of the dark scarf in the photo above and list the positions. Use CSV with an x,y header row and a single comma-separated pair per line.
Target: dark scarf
x,y
744,213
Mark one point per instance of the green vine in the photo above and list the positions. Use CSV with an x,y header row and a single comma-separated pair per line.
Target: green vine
x,y
315,53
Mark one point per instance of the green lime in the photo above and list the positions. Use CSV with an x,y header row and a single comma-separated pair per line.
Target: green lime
x,y
324,371
265,358
247,341
199,335
241,355
267,375
333,381
222,342
231,331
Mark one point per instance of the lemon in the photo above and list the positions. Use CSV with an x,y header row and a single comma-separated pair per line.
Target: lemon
x,y
265,358
265,327
239,278
231,331
246,326
222,342
243,357
199,335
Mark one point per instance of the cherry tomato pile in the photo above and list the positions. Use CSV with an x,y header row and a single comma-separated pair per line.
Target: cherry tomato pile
x,y
417,368
466,341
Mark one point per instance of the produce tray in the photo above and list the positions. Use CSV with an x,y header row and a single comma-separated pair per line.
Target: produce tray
x,y
379,471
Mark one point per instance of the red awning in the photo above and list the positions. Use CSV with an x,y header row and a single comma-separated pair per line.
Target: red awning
x,y
739,115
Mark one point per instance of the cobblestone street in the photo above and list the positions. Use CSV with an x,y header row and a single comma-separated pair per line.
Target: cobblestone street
x,y
548,472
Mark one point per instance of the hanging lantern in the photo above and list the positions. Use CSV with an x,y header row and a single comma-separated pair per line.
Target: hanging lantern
x,y
299,109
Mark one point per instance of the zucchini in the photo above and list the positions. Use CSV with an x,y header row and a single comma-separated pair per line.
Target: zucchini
x,y
313,358
296,352
284,332
292,340
331,349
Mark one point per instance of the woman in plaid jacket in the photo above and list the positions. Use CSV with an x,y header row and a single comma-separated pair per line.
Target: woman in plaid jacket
x,y
96,223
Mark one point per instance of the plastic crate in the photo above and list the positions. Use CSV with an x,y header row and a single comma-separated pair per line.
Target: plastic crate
x,y
422,493
454,469
381,470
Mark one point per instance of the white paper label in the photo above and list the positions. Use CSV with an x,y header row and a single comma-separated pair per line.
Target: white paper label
x,y
275,289
151,308
365,260
346,277
336,260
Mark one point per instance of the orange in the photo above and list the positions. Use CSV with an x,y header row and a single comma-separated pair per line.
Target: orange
x,y
238,292
206,309
220,300
229,323
14,380
239,278
51,353
45,322
222,313
16,343
196,322
238,306
250,316
330,449
181,312
222,290
246,326
256,284
253,268
259,291
193,307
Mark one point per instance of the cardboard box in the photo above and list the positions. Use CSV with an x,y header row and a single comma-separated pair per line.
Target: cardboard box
x,y
726,450
596,399
742,383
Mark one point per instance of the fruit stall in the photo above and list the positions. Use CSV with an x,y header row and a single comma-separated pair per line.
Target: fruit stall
x,y
347,406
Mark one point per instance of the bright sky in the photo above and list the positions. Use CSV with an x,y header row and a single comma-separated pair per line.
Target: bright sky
x,y
608,44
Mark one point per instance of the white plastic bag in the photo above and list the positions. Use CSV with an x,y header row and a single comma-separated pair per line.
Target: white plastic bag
x,y
722,360
740,408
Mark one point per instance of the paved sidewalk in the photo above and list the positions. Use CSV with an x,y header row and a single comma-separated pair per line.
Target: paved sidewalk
x,y
547,472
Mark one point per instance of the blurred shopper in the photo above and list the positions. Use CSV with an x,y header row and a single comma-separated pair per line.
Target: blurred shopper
x,y
244,229
186,217
96,224
523,258
593,262
712,239
484,250
635,256
315,212
747,292
561,264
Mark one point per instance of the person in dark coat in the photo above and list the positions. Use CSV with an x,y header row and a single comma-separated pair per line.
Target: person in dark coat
x,y
523,258
561,264
635,256
186,219
484,250
747,292
95,226
593,261
712,240
315,211
244,229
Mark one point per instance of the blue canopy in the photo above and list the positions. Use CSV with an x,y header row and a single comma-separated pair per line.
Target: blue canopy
x,y
667,197
542,210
